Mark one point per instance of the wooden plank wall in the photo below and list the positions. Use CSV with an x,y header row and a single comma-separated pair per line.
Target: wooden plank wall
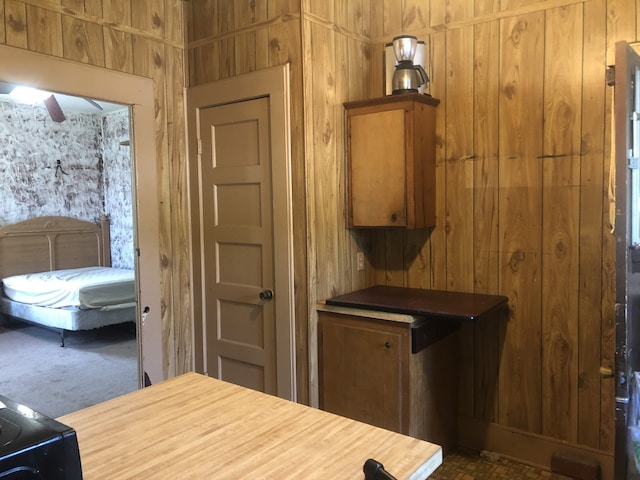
x,y
522,207
141,37
336,70
522,173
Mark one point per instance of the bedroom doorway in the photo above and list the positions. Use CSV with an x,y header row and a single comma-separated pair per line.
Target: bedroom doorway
x,y
78,159
136,95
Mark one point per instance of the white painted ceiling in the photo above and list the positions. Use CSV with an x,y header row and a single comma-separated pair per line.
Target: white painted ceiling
x,y
68,103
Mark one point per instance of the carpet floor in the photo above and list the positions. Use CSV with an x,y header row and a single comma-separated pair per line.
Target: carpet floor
x,y
94,366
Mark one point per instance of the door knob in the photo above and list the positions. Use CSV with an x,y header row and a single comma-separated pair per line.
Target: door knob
x,y
266,294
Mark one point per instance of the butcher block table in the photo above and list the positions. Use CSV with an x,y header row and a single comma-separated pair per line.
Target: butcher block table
x,y
197,427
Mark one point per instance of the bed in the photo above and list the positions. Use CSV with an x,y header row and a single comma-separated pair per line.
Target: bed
x,y
41,253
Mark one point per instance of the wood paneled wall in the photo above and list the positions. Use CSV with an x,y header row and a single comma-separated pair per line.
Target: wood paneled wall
x,y
145,38
523,154
522,170
522,209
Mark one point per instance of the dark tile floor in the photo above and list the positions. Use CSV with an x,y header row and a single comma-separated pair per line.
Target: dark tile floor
x,y
463,464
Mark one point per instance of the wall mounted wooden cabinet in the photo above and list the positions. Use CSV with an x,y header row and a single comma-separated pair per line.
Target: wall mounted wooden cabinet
x,y
391,161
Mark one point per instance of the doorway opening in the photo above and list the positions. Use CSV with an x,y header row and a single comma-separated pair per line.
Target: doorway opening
x,y
71,161
136,95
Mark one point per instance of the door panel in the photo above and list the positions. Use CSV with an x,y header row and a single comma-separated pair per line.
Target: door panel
x,y
242,229
238,243
627,196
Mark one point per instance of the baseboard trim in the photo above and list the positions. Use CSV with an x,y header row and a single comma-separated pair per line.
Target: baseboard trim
x,y
524,447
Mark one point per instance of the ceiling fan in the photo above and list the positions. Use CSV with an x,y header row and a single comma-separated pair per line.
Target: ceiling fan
x,y
55,111
49,99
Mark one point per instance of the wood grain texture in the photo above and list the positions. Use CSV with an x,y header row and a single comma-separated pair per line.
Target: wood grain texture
x,y
83,41
177,176
485,215
80,5
438,89
148,16
592,226
118,48
513,215
368,373
174,23
117,12
520,211
194,427
15,14
560,229
247,13
3,29
527,204
459,174
45,31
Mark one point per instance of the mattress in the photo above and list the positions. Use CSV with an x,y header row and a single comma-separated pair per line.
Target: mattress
x,y
68,318
83,288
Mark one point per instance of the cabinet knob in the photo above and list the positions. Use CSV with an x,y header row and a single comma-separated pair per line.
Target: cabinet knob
x,y
394,217
387,344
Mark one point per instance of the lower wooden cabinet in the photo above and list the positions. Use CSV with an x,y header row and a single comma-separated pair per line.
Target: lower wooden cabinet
x,y
368,372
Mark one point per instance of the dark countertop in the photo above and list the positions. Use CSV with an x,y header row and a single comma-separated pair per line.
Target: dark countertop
x,y
421,302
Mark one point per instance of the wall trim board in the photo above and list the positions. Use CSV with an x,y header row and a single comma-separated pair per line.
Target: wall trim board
x,y
334,27
486,18
57,8
254,27
277,21
524,447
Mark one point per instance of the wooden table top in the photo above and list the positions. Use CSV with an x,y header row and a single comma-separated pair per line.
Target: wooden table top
x,y
457,306
197,427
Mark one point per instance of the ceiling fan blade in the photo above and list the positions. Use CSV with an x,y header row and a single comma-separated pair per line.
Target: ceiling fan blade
x,y
94,103
55,112
6,88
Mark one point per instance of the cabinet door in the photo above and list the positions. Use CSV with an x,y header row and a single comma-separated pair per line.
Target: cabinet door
x,y
377,173
364,371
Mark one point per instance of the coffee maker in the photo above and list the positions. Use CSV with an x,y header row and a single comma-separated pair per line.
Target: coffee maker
x,y
405,72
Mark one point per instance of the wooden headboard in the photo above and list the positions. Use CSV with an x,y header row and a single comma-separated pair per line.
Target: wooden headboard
x,y
53,243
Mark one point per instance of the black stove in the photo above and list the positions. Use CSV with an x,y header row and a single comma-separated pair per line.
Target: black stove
x,y
36,447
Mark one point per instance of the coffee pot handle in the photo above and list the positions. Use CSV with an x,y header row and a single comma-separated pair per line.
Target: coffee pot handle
x,y
424,78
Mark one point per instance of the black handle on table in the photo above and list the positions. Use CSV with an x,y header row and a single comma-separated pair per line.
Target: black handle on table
x,y
374,470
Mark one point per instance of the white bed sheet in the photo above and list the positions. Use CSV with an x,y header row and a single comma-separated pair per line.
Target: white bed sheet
x,y
85,288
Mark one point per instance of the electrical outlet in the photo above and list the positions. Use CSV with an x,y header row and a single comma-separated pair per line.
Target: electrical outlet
x,y
360,260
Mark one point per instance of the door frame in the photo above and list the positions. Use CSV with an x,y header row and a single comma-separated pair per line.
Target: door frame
x,y
273,83
627,299
63,76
